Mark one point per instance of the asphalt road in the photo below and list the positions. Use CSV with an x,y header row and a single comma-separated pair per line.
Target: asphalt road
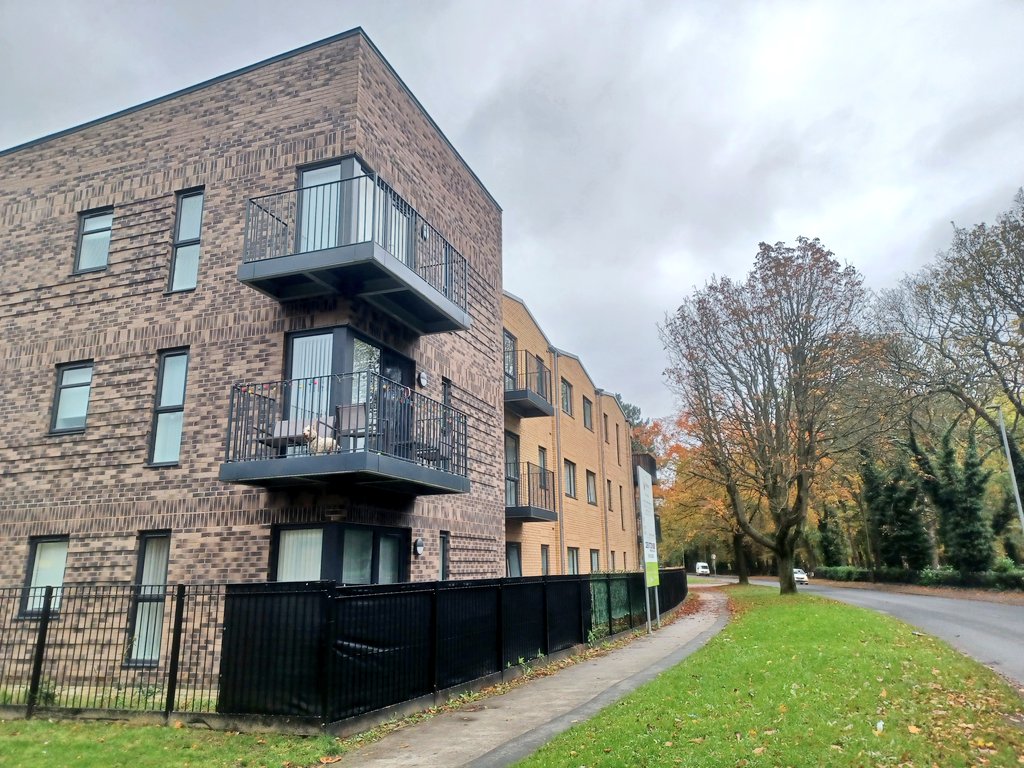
x,y
992,633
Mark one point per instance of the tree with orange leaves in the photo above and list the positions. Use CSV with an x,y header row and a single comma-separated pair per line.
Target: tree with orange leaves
x,y
764,369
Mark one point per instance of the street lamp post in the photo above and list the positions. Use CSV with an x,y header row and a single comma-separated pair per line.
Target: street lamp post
x,y
1009,461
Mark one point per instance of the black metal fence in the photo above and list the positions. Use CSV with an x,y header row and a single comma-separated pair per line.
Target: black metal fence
x,y
308,649
348,212
344,413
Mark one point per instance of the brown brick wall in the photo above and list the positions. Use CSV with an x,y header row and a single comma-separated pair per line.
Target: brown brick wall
x,y
238,138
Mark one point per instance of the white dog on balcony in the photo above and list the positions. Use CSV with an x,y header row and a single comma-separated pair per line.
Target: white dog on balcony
x,y
319,443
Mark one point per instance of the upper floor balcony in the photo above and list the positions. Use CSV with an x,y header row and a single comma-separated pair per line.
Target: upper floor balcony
x,y
527,385
355,237
529,493
345,429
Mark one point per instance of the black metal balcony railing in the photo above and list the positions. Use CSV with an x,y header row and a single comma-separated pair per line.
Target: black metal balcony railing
x,y
344,414
526,371
527,485
527,385
362,209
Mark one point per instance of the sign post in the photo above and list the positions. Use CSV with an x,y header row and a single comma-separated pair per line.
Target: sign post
x,y
650,539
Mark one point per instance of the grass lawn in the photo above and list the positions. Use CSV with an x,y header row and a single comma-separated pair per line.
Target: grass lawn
x,y
801,681
81,743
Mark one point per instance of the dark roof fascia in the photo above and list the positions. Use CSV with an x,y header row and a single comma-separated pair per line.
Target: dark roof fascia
x,y
354,32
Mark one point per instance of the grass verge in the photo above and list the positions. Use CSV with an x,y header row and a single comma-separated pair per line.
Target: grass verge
x,y
800,681
89,743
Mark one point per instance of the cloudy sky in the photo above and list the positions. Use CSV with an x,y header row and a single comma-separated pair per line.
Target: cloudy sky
x,y
637,148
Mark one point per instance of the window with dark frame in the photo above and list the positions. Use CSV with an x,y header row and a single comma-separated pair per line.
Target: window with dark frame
x,y
343,552
71,398
445,542
47,558
570,478
542,462
573,560
545,565
618,450
513,559
595,560
567,397
299,554
609,495
611,566
591,488
185,256
622,510
147,623
169,413
606,437
94,240
588,414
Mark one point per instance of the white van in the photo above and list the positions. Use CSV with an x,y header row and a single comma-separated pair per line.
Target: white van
x,y
702,569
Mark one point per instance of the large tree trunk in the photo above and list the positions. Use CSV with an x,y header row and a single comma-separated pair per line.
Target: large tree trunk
x,y
785,547
742,570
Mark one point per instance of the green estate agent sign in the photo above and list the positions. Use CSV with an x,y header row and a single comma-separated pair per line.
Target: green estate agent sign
x,y
647,523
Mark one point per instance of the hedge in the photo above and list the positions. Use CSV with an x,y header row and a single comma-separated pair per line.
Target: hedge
x,y
940,577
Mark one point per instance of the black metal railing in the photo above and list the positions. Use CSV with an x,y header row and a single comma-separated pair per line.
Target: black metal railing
x,y
111,647
358,210
303,649
527,485
526,371
344,413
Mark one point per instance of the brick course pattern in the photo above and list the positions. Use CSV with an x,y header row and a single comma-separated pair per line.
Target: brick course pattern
x,y
238,137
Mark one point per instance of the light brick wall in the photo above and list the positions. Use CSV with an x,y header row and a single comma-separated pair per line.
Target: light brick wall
x,y
583,525
239,138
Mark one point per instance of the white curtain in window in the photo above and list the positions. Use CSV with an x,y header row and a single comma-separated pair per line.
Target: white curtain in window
x,y
47,571
390,549
299,553
357,557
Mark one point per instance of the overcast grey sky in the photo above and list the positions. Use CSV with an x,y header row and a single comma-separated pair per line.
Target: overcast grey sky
x,y
637,148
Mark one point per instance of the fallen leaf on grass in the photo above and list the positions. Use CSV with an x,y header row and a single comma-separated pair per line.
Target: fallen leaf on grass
x,y
759,751
328,759
913,729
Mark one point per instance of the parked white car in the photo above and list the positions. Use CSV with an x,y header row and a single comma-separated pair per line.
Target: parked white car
x,y
702,569
800,577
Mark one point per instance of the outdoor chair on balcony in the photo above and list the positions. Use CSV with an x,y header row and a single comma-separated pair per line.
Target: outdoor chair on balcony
x,y
350,422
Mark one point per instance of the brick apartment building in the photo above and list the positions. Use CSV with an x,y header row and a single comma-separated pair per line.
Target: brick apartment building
x,y
569,498
252,331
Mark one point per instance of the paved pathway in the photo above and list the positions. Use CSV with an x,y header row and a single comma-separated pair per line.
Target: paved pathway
x,y
501,730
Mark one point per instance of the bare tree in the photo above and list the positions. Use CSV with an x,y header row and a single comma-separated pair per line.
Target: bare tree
x,y
764,370
958,323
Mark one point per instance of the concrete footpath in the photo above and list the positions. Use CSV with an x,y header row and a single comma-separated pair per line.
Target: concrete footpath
x,y
500,730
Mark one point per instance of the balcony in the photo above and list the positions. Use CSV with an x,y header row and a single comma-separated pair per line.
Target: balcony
x,y
527,385
529,494
355,237
350,430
